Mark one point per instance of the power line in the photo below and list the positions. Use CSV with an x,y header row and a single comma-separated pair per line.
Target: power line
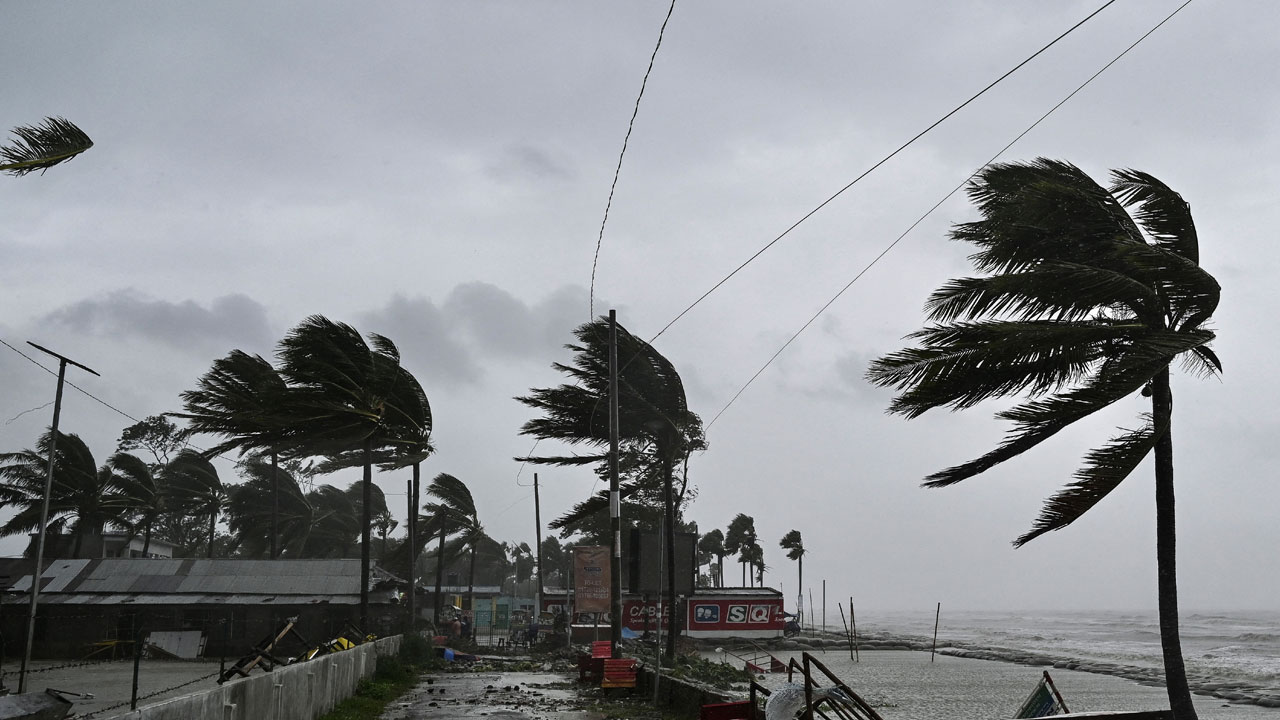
x,y
946,197
84,392
871,169
591,298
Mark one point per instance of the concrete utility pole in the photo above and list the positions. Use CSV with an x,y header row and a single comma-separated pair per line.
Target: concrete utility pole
x,y
615,501
44,508
537,519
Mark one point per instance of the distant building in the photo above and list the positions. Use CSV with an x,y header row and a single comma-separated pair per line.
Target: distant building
x,y
89,604
105,545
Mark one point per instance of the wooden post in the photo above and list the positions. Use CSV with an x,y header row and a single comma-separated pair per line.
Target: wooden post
x,y
937,616
137,659
853,621
847,636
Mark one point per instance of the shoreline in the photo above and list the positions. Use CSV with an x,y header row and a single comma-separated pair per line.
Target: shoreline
x,y
1248,693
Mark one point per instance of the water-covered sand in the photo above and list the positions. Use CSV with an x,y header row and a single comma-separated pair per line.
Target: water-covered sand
x,y
905,685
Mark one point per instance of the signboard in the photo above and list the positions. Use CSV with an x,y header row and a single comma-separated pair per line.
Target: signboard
x,y
639,615
745,617
591,578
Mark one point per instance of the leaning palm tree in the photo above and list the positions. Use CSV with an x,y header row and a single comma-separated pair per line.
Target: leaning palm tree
x,y
83,499
453,511
243,400
140,495
739,538
654,418
794,546
195,489
1083,305
40,147
268,514
347,395
713,544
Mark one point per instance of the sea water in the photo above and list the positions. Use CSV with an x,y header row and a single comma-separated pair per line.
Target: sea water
x,y
1113,658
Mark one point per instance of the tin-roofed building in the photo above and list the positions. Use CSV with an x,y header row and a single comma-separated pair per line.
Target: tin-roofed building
x,y
235,602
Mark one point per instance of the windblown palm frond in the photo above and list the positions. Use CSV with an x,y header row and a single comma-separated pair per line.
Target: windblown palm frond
x,y
40,147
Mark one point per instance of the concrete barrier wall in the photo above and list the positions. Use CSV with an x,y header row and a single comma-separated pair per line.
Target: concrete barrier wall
x,y
296,692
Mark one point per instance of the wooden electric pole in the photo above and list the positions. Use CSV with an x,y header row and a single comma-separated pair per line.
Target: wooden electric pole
x,y
615,501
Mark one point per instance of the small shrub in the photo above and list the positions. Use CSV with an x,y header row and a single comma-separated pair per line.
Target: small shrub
x,y
416,650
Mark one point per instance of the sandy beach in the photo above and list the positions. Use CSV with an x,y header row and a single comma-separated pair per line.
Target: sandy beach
x,y
905,685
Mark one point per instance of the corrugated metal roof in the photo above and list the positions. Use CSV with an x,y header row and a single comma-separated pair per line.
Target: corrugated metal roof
x,y
129,576
201,599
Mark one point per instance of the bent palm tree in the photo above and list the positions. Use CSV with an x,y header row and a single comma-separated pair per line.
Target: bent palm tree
x,y
195,489
82,498
268,514
739,538
40,147
454,511
140,495
794,546
1084,305
654,419
713,544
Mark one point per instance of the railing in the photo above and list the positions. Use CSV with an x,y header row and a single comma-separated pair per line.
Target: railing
x,y
851,707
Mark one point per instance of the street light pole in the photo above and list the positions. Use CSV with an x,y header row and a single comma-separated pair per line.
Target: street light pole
x,y
44,509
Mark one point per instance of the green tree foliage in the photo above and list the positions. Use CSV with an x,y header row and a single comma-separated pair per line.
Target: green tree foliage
x,y
40,147
1089,294
713,545
83,498
195,489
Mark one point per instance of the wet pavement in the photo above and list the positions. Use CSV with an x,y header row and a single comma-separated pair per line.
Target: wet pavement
x,y
536,695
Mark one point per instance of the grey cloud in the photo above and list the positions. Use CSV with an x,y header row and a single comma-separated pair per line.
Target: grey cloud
x,y
231,320
498,322
524,162
423,334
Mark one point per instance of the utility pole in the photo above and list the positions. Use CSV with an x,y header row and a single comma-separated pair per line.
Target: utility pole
x,y
408,494
615,501
537,519
44,508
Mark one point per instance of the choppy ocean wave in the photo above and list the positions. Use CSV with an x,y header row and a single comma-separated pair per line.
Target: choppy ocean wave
x,y
1235,656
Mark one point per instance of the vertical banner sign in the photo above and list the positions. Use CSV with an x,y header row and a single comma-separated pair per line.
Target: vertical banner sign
x,y
591,578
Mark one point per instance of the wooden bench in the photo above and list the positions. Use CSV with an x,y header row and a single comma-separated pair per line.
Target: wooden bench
x,y
601,649
591,667
619,673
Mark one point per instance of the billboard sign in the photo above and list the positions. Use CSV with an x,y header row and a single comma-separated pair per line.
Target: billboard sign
x,y
591,578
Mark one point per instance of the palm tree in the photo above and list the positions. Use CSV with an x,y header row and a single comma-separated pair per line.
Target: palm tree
x,y
335,522
1084,305
195,489
268,514
82,498
740,536
243,399
654,418
345,395
713,544
454,511
794,546
140,496
40,147
754,557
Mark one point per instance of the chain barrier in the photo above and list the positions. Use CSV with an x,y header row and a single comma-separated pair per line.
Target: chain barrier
x,y
148,696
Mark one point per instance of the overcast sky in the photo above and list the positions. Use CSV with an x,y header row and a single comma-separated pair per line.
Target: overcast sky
x,y
438,172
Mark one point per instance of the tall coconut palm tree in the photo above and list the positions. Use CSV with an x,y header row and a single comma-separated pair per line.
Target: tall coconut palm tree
x,y
140,496
335,522
346,394
268,514
244,400
713,544
40,147
1090,294
195,489
739,538
654,417
452,512
794,546
83,499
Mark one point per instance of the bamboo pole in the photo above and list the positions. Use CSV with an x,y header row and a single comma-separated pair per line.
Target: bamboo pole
x,y
853,620
843,622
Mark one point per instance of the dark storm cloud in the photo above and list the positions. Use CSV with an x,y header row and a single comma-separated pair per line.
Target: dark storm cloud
x,y
229,321
422,333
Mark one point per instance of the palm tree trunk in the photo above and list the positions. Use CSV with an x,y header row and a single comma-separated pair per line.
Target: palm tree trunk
x,y
275,501
669,512
1175,672
440,574
471,582
720,572
366,513
213,521
146,538
800,580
